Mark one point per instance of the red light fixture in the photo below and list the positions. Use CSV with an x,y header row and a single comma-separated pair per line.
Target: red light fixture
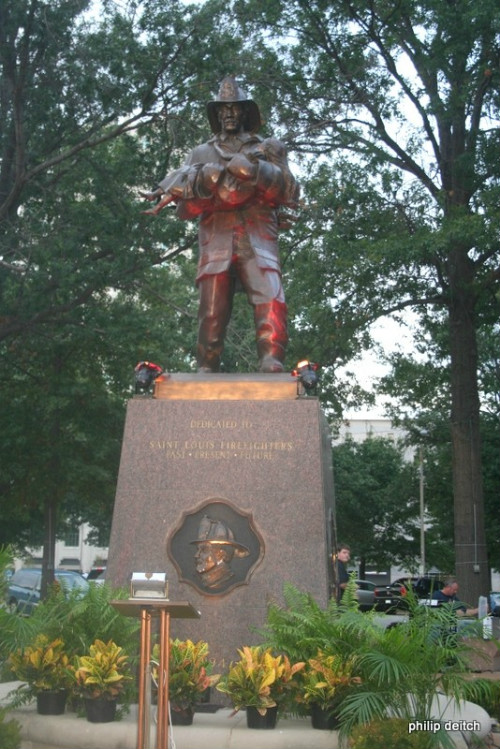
x,y
146,372
307,378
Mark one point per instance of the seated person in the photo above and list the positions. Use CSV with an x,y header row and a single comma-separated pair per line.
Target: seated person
x,y
448,594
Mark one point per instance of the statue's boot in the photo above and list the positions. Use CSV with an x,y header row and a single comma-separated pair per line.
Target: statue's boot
x,y
214,313
209,357
272,336
210,345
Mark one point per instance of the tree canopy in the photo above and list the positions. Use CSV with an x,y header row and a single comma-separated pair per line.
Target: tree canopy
x,y
377,501
390,113
398,103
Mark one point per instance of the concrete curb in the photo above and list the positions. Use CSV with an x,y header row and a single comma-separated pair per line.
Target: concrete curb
x,y
219,730
209,730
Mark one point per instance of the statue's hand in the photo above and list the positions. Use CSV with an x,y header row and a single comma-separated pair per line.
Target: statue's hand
x,y
241,168
208,177
151,195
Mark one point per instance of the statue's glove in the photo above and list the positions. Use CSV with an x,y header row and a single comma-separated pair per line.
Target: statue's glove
x,y
207,180
151,194
270,182
241,168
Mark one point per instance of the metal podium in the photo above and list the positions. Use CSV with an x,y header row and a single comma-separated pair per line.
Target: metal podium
x,y
147,609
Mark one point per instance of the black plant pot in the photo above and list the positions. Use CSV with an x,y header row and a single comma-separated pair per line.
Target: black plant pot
x,y
256,720
181,716
204,697
51,703
100,710
324,720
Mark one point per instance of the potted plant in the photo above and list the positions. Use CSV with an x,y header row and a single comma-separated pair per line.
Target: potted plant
x,y
45,668
260,682
100,678
189,677
325,680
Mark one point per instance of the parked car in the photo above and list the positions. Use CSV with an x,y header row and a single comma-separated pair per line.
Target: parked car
x,y
96,574
393,596
24,587
98,579
365,594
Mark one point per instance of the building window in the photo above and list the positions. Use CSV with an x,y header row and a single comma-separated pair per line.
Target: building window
x,y
72,537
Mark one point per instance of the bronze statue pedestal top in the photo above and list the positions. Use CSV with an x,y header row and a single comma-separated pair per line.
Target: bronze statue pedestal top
x,y
256,386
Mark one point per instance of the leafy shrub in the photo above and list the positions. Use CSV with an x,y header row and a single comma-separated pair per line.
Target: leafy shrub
x,y
326,679
391,733
488,698
400,668
301,627
103,672
189,671
10,732
43,665
260,679
77,621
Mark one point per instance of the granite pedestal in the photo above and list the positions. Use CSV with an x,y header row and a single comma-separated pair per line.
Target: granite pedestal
x,y
240,459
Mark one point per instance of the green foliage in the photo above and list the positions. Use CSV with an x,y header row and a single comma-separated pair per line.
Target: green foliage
x,y
301,627
6,562
91,617
401,190
44,666
485,695
79,623
373,479
189,672
406,667
396,670
103,672
10,732
260,679
326,679
389,733
76,621
88,285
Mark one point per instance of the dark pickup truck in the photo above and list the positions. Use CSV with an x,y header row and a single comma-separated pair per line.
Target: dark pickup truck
x,y
393,596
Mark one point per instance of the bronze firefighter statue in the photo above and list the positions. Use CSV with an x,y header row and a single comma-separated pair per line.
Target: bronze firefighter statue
x,y
236,183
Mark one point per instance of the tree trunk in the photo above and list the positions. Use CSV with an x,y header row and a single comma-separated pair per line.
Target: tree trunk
x,y
49,545
470,542
362,568
52,497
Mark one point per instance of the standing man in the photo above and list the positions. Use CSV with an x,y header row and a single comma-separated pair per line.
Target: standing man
x,y
342,576
236,184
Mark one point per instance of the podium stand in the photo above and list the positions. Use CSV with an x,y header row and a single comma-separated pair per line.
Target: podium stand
x,y
147,609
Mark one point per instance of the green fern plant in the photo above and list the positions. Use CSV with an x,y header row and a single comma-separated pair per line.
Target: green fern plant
x,y
93,617
301,626
401,668
77,621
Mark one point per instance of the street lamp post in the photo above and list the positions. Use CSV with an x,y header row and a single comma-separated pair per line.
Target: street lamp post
x,y
422,512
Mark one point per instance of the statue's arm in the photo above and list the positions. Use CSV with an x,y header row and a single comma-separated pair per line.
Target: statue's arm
x,y
270,173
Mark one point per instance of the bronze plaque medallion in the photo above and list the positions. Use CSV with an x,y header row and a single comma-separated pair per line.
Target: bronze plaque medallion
x,y
215,547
